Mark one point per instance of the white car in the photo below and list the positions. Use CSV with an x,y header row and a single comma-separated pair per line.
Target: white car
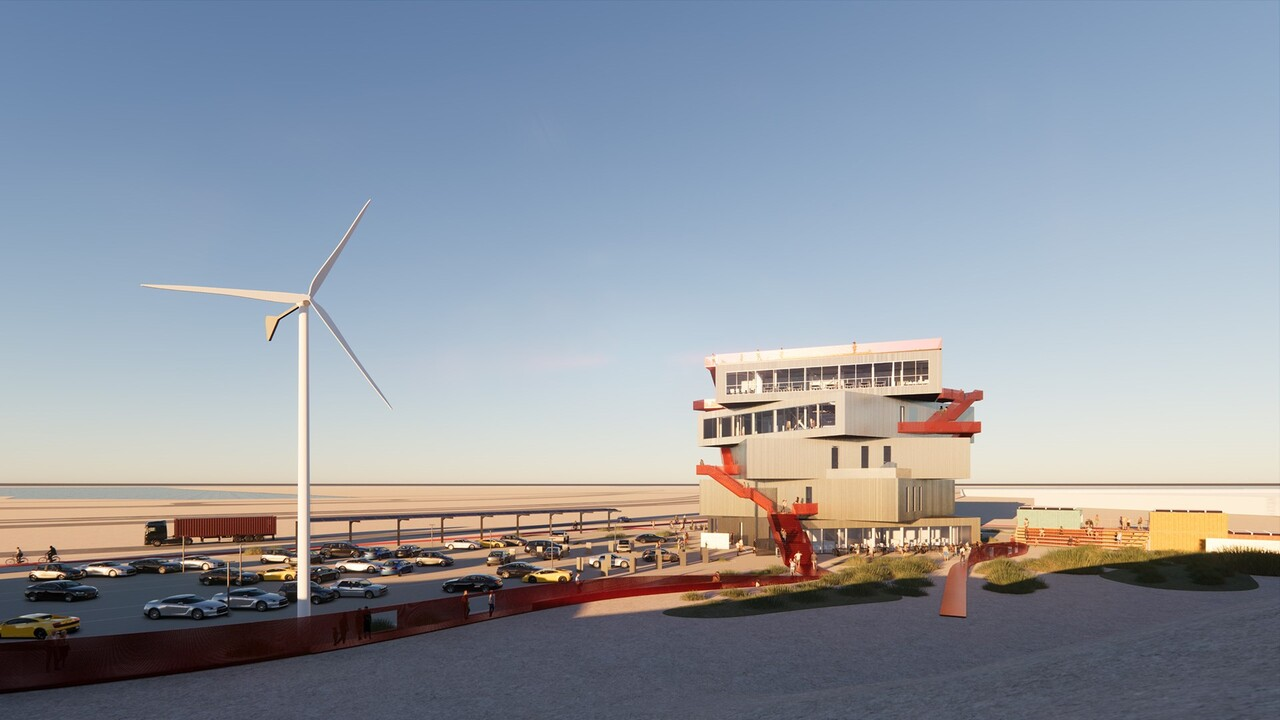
x,y
277,555
252,599
109,568
613,560
463,544
373,567
201,562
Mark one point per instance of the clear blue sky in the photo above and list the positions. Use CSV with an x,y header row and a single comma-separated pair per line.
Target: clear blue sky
x,y
574,203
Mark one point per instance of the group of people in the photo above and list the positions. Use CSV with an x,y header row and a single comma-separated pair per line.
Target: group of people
x,y
20,557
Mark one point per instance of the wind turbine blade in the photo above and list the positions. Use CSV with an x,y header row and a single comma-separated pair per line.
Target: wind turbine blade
x,y
328,322
268,295
333,257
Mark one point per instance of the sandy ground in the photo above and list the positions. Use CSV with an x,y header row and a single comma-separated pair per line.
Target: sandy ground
x,y
1085,648
79,527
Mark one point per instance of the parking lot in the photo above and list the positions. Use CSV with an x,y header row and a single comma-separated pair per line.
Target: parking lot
x,y
119,607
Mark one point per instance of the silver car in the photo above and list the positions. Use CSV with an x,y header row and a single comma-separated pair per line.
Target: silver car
x,y
109,568
192,606
201,562
432,557
358,588
253,599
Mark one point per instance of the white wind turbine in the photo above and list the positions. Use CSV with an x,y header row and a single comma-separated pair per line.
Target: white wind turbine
x,y
301,303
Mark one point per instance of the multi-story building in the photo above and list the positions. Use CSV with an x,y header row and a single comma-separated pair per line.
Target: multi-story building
x,y
836,446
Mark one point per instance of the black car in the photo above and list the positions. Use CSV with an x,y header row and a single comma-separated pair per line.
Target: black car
x,y
514,540
408,551
324,573
475,583
650,538
319,593
516,569
218,576
66,590
156,565
652,556
340,549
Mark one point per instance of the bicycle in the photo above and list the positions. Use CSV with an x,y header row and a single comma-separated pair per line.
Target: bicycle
x,y
52,558
16,559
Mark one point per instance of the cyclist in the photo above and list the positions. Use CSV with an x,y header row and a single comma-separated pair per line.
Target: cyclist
x,y
52,554
18,557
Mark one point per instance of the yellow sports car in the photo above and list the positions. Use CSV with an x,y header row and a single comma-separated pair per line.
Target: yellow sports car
x,y
548,575
492,543
38,626
280,573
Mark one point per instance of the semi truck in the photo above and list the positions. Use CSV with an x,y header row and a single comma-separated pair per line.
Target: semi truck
x,y
239,528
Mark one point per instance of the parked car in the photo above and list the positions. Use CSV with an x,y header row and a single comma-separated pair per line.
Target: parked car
x,y
432,557
359,588
463,544
66,590
561,537
551,551
252,599
623,518
55,571
38,625
652,556
277,555
284,572
377,553
492,543
201,562
319,593
477,583
396,567
313,556
514,540
407,551
610,559
623,545
218,576
539,547
373,567
340,549
191,606
108,568
545,575
650,538
516,569
156,565
324,573
499,557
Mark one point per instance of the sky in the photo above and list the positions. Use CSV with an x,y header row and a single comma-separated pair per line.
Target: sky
x,y
575,203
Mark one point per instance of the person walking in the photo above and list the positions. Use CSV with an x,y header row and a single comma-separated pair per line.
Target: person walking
x,y
492,603
466,604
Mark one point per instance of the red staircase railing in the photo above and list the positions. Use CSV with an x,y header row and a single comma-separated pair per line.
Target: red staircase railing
x,y
789,534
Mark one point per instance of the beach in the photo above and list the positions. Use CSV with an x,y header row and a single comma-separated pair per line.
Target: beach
x,y
81,519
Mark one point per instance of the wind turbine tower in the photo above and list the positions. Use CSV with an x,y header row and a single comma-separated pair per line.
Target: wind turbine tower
x,y
301,303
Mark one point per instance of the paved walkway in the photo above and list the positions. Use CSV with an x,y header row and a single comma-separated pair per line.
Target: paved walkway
x,y
1085,648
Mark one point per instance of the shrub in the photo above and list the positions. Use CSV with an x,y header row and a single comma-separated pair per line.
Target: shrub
x,y
1251,562
1006,576
1148,574
693,597
910,567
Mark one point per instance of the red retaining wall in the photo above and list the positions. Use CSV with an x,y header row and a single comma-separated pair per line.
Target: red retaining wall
x,y
39,664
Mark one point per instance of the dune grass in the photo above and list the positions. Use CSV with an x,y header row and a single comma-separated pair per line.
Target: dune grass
x,y
880,580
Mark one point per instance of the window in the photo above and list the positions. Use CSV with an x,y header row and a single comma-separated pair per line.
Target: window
x,y
726,427
709,428
835,457
884,374
827,415
888,454
866,455
764,421
766,381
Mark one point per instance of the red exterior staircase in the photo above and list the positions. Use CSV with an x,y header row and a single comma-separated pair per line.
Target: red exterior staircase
x,y
788,532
